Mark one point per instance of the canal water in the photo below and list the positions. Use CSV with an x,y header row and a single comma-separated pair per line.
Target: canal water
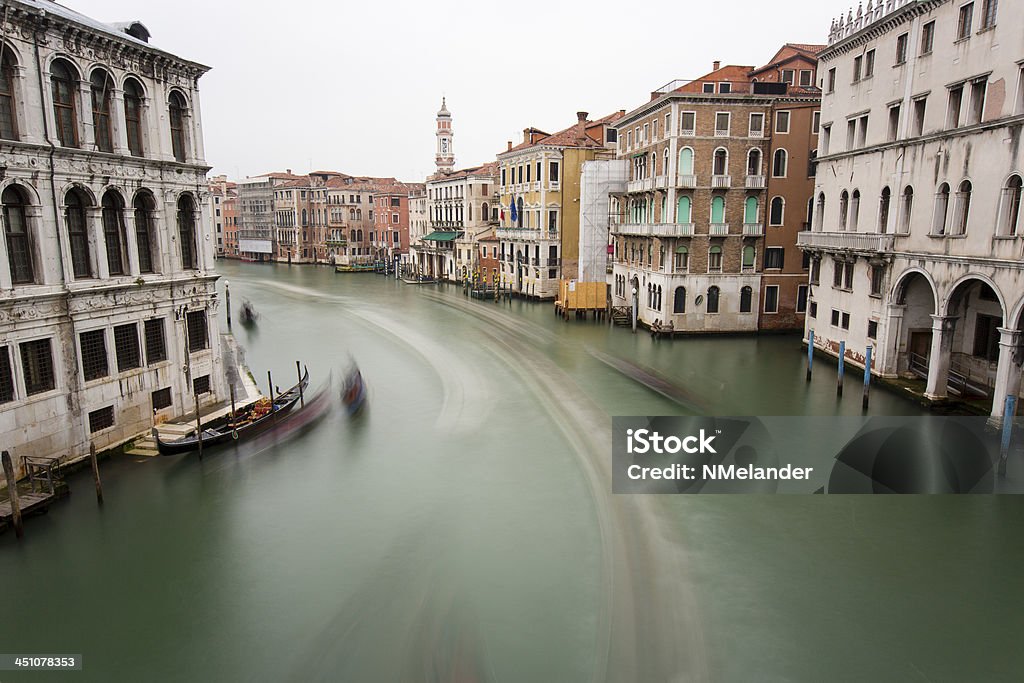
x,y
463,527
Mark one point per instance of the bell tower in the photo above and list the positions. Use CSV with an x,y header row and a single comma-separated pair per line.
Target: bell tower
x,y
445,157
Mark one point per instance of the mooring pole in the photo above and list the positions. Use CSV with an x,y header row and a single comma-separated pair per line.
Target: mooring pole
x,y
867,377
95,473
231,391
635,305
842,368
270,381
1009,410
199,426
298,370
810,353
12,492
227,300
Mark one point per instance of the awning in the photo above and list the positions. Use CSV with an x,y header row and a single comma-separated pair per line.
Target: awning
x,y
441,236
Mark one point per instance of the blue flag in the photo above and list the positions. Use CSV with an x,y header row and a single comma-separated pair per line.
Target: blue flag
x,y
513,214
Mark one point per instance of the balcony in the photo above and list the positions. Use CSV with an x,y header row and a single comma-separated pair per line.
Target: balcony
x,y
446,225
672,229
688,132
641,185
864,243
721,181
718,229
661,182
752,230
755,182
721,133
689,181
518,233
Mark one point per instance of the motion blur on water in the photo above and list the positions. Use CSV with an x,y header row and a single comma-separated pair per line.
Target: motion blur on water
x,y
462,527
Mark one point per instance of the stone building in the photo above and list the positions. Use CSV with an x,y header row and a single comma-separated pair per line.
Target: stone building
x,y
916,232
540,177
108,312
714,162
390,236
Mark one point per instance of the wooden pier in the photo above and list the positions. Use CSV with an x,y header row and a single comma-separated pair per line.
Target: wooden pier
x,y
45,484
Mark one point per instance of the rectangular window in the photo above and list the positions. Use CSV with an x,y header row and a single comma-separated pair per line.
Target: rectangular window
x,y
709,87
845,324
553,172
956,96
126,347
894,121
812,309
877,280
977,104
725,88
848,279
988,13
198,339
872,329
963,26
161,398
835,318
722,124
986,337
869,64
787,76
851,133
806,78
101,419
919,109
815,271
927,38
801,299
901,48
771,299
201,385
774,257
831,81
94,354
858,63
688,123
756,125
826,138
782,122
552,220
862,131
156,348
6,376
815,122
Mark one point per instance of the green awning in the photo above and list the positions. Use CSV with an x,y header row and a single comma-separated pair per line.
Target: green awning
x,y
441,236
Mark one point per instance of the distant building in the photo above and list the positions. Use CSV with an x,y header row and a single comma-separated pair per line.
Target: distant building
x,y
108,311
390,237
916,235
540,178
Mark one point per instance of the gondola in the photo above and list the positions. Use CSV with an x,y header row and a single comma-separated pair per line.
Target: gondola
x,y
245,423
353,391
248,315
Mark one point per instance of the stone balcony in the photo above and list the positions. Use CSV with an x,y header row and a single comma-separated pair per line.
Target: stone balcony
x,y
721,181
641,185
689,181
519,233
654,229
752,230
718,229
755,182
857,242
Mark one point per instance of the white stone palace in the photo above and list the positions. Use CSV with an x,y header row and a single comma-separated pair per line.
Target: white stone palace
x,y
107,301
917,237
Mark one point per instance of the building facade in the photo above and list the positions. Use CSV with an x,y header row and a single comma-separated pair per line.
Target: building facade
x,y
915,239
108,311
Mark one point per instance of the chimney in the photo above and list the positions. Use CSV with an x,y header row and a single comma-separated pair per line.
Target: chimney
x,y
288,171
715,65
509,145
526,136
581,124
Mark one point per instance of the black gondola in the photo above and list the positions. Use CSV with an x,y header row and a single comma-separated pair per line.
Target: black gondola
x,y
248,315
245,423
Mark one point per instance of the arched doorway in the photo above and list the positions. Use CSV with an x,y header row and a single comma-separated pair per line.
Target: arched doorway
x,y
971,318
916,306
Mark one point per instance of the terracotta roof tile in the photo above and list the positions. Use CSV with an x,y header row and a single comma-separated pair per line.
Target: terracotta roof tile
x,y
570,137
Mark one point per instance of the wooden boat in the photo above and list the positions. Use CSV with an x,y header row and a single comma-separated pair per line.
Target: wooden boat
x,y
354,268
243,424
248,315
353,391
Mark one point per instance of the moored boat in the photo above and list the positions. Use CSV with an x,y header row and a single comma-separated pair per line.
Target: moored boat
x,y
242,424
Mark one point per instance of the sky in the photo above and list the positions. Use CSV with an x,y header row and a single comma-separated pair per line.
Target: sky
x,y
355,86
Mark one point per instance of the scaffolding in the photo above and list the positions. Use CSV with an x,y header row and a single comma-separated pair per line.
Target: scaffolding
x,y
599,180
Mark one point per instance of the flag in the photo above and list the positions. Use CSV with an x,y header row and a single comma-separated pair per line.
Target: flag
x,y
512,213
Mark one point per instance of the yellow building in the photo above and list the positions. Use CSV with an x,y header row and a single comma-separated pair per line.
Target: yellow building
x,y
539,188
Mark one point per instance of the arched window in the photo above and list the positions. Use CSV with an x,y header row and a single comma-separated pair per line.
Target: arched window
x,y
713,293
941,207
962,209
715,259
746,299
305,218
721,162
685,161
657,298
718,209
64,85
679,300
906,209
664,162
19,247
776,212
779,163
484,211
682,259
187,232
820,210
177,109
101,86
844,207
749,254
883,210
754,162
112,211
750,210
144,205
8,102
1010,218
854,210
683,209
133,116
519,205
78,235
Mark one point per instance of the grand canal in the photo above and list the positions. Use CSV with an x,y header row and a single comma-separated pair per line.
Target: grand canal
x,y
464,525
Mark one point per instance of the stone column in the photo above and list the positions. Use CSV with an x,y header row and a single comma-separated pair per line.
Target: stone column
x,y
888,353
941,355
118,121
27,131
1008,373
97,245
131,244
85,124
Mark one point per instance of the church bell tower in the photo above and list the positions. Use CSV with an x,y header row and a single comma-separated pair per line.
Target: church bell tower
x,y
445,157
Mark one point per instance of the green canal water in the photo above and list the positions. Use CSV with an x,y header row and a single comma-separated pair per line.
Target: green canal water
x,y
463,528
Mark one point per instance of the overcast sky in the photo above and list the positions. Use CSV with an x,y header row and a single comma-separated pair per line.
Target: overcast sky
x,y
355,86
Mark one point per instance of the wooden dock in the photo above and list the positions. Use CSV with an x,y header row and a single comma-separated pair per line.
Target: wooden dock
x,y
29,502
